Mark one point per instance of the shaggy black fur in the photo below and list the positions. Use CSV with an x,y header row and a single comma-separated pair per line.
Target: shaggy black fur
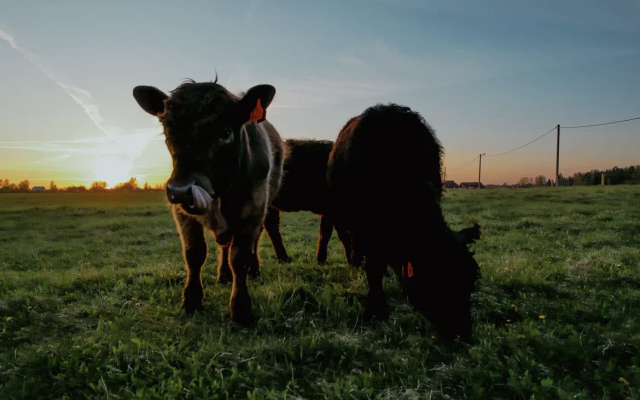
x,y
385,187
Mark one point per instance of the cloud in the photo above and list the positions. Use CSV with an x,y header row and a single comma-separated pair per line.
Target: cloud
x,y
379,72
116,150
50,161
130,146
82,97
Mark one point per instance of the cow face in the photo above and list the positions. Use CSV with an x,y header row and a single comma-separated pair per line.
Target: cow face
x,y
203,128
441,287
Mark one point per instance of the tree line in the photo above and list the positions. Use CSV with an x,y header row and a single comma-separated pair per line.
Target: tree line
x,y
96,186
614,176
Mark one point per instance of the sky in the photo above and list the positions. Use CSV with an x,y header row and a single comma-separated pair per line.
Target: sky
x,y
487,77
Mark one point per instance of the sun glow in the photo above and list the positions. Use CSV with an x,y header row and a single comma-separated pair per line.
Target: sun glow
x,y
112,169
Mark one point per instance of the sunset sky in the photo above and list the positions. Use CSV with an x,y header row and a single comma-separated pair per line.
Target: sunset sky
x,y
488,77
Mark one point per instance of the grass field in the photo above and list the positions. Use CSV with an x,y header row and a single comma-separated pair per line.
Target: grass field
x,y
90,288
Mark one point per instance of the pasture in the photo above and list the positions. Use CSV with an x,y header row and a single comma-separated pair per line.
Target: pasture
x,y
90,288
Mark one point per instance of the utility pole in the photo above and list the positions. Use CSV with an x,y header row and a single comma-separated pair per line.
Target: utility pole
x,y
480,169
558,156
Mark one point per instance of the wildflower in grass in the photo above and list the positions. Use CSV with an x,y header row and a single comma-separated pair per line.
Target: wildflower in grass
x,y
8,319
508,320
513,305
619,265
624,381
542,317
137,304
29,308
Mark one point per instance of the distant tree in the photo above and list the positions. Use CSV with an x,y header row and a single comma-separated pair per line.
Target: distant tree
x,y
6,183
98,186
24,186
540,180
549,183
129,186
525,181
53,187
147,187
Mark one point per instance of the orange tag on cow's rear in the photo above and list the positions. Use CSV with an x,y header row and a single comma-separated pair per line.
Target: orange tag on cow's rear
x,y
258,113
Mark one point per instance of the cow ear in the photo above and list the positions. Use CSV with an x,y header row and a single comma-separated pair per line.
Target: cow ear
x,y
150,99
253,106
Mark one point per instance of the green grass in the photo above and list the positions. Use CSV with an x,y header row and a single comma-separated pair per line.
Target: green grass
x,y
90,288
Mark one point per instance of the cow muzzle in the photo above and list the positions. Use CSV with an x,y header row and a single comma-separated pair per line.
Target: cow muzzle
x,y
192,198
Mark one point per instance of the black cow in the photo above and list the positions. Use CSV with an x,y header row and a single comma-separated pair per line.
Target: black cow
x,y
227,168
304,188
385,187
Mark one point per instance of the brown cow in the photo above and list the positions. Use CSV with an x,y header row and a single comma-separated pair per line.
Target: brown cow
x,y
227,168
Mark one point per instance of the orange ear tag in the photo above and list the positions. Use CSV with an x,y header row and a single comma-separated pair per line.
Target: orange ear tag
x,y
407,270
257,114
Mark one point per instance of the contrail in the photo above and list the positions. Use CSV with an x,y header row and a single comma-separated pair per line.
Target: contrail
x,y
80,96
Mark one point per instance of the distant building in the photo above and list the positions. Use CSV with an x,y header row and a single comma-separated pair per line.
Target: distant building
x,y
38,189
451,185
471,185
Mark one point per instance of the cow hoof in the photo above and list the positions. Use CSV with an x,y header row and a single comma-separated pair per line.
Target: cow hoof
x,y
322,259
224,279
253,274
242,321
379,311
285,260
192,299
190,307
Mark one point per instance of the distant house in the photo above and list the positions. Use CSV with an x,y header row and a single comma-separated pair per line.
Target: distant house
x,y
37,189
471,185
451,185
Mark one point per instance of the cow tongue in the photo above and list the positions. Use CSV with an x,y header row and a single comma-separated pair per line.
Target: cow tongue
x,y
201,199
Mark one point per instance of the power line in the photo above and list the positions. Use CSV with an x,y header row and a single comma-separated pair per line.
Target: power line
x,y
474,158
606,123
525,145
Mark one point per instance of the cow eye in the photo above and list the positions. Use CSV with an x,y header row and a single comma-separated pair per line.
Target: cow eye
x,y
226,134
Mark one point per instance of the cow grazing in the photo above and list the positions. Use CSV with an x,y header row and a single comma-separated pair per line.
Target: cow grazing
x,y
385,187
227,168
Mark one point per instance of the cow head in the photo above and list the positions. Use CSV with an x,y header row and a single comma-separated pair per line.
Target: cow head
x,y
203,128
442,283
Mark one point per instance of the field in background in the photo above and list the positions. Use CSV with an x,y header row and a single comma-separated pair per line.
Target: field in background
x,y
90,288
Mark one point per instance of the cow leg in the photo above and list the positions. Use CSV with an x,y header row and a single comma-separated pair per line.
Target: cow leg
x,y
224,271
357,258
326,229
194,251
272,225
376,301
353,258
254,268
240,303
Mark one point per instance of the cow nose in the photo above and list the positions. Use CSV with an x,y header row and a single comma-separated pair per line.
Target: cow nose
x,y
180,194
